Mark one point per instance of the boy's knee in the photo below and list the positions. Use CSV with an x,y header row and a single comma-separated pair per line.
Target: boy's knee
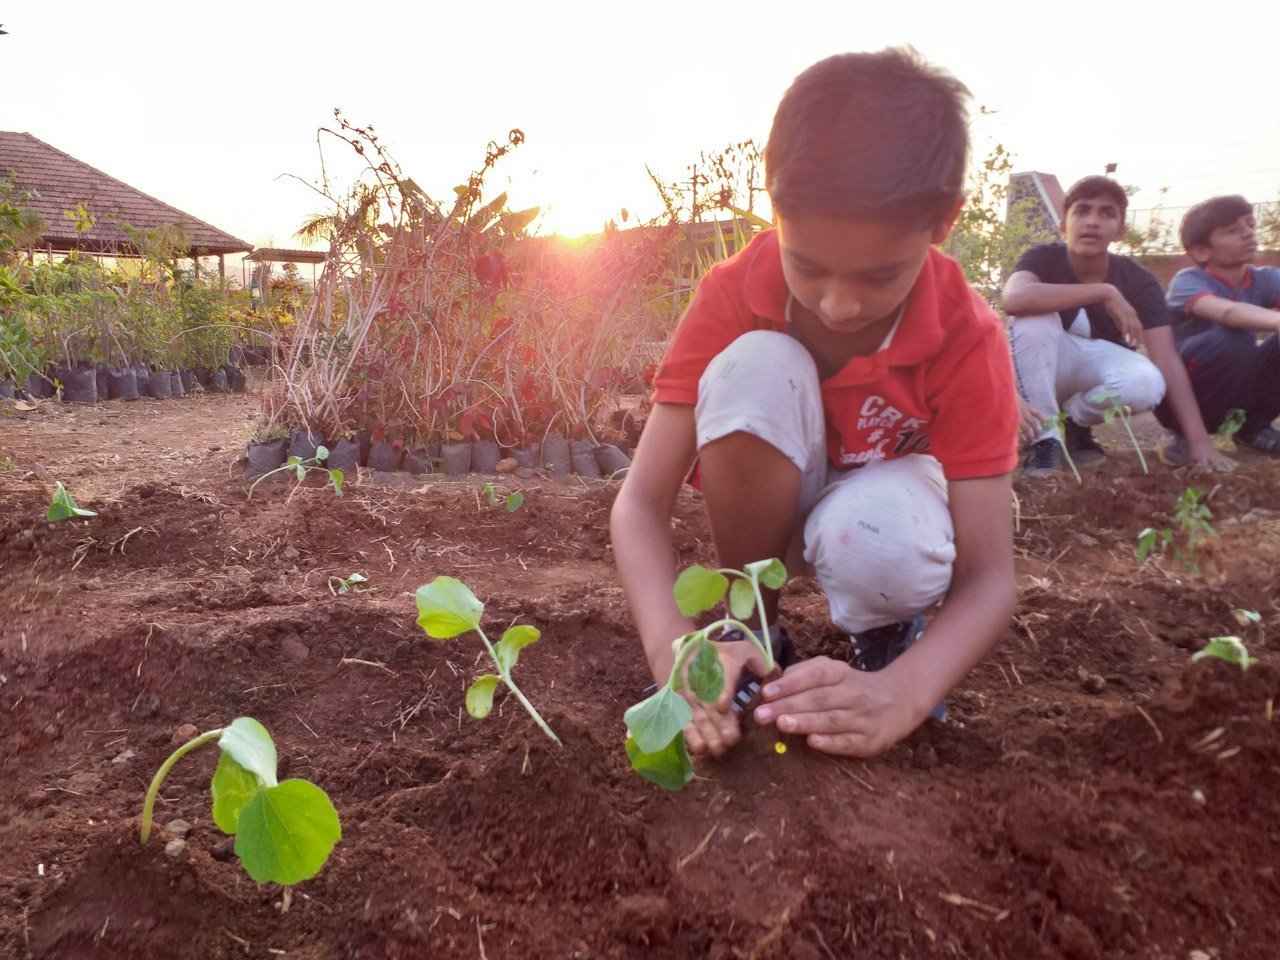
x,y
1140,388
1036,329
754,358
881,556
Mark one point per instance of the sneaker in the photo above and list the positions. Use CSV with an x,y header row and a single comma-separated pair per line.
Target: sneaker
x,y
1084,450
1044,459
1267,440
878,647
784,655
1173,450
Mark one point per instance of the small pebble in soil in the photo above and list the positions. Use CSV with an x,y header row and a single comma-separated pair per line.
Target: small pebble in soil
x,y
294,649
147,705
178,828
290,553
366,653
925,757
184,733
123,757
176,850
402,652
507,465
225,851
1093,683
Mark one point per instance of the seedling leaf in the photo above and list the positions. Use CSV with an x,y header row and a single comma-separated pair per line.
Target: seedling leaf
x,y
336,476
286,832
480,695
322,453
698,589
706,672
515,501
233,786
62,507
1230,649
771,573
670,767
742,599
446,608
249,745
654,722
513,641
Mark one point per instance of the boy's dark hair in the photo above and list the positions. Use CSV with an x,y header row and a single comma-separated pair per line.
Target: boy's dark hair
x,y
1210,215
1092,187
870,136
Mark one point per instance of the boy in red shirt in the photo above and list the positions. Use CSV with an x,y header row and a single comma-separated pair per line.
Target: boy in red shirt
x,y
849,401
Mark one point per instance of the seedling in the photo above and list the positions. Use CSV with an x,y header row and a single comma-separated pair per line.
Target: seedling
x,y
62,507
1061,420
1118,410
512,501
446,609
1230,649
340,585
1192,519
1231,425
301,467
284,831
655,726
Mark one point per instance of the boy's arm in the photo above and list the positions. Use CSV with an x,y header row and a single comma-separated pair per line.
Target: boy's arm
x,y
1238,316
640,525
847,712
1162,352
1024,295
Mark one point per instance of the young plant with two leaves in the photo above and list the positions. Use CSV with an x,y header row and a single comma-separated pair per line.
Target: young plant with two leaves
x,y
284,830
655,726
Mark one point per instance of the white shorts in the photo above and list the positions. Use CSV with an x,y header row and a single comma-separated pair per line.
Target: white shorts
x,y
878,537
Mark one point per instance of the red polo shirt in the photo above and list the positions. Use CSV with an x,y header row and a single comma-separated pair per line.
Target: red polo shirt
x,y
943,386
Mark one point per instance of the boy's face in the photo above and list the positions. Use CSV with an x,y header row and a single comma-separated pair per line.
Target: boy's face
x,y
1231,246
1092,225
852,273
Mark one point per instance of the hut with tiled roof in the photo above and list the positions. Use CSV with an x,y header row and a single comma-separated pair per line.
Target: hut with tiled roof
x,y
52,182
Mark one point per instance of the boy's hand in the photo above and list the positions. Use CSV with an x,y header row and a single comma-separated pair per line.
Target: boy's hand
x,y
715,727
841,710
1030,420
1204,456
1125,316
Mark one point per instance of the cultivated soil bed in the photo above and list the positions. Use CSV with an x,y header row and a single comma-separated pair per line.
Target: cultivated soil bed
x,y
1093,794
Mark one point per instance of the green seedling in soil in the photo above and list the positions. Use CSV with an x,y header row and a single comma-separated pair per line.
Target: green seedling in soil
x,y
1246,617
340,585
301,467
1230,649
1231,425
1193,528
1060,418
447,609
512,501
1116,410
284,831
62,507
655,726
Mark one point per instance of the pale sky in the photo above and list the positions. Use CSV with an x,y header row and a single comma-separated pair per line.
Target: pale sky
x,y
206,106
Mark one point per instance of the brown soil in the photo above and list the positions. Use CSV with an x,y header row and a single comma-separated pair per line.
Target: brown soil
x,y
1092,795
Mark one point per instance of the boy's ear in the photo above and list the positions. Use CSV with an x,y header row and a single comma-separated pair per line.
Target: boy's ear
x,y
943,229
1199,253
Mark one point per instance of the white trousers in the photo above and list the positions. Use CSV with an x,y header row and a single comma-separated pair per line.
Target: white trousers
x,y
1058,370
878,537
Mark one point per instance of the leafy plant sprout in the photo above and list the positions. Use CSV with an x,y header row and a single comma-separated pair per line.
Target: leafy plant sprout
x,y
1119,410
302,466
284,831
1061,420
512,501
339,585
1191,516
655,726
446,609
62,507
1230,649
1231,425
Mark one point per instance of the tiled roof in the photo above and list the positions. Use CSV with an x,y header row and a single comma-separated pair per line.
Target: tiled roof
x,y
281,255
60,182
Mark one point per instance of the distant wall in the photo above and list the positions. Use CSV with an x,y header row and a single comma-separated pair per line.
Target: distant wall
x,y
1164,266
